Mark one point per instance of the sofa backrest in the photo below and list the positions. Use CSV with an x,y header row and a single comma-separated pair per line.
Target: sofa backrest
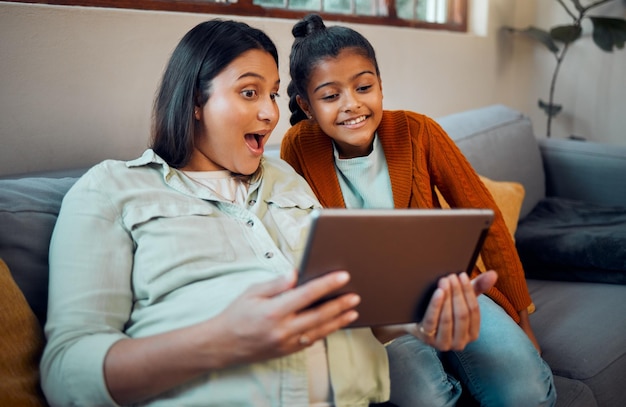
x,y
28,211
500,144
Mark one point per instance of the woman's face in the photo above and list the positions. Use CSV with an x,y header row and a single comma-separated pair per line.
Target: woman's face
x,y
346,99
238,117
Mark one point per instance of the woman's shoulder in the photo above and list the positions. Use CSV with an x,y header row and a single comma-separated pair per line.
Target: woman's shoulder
x,y
115,174
275,167
283,179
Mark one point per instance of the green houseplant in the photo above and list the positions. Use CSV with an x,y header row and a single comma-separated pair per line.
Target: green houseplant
x,y
608,34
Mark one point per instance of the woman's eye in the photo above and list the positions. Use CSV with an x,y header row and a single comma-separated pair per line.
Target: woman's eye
x,y
274,95
249,93
364,88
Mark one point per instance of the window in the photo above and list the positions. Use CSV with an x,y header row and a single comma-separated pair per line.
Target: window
x,y
434,14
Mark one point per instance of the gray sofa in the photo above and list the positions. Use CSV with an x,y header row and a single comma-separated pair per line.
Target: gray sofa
x,y
580,323
580,319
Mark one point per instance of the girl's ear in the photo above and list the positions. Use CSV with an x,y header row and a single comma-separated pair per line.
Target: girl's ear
x,y
197,113
304,106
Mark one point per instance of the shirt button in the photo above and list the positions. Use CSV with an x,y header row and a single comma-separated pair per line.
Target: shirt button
x,y
251,202
250,223
269,255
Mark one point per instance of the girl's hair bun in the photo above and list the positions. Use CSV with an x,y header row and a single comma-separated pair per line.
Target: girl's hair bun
x,y
309,24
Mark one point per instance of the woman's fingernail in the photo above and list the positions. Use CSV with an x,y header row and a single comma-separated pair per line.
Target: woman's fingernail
x,y
342,276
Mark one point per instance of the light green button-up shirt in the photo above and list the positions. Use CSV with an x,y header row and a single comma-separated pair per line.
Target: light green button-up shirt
x,y
140,249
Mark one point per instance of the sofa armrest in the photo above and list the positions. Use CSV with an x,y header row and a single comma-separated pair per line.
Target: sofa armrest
x,y
584,170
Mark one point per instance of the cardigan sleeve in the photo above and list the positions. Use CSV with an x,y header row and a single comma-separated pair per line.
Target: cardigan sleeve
x,y
461,187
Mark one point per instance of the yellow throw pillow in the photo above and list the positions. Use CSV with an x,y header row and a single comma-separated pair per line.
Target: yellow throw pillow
x,y
21,344
509,197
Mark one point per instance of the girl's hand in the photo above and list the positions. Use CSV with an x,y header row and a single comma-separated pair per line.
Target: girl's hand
x,y
452,319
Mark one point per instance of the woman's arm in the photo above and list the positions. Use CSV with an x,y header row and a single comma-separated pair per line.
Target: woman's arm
x,y
266,322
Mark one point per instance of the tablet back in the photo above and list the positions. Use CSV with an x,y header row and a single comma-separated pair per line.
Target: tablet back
x,y
394,256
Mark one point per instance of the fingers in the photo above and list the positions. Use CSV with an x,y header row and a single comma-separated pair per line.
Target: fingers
x,y
446,323
452,319
484,282
318,321
298,298
467,313
321,321
428,328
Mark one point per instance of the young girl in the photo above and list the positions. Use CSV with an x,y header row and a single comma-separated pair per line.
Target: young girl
x,y
354,154
171,276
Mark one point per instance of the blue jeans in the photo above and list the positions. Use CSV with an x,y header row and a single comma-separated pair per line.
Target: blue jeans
x,y
501,368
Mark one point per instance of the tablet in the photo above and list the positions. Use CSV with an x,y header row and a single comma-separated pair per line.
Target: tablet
x,y
394,256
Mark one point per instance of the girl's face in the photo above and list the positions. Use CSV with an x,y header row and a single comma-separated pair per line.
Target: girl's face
x,y
239,116
346,99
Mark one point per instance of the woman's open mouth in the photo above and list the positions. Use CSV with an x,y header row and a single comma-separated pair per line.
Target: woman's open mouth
x,y
255,142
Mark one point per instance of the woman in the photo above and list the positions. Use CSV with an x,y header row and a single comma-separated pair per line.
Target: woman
x,y
171,276
356,155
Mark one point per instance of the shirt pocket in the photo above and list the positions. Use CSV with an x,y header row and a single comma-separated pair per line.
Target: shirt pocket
x,y
290,213
178,234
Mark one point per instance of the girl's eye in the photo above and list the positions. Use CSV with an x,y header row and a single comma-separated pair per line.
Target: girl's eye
x,y
249,93
330,97
274,95
364,88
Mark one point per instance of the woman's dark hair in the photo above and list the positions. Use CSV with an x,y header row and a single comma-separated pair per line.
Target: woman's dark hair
x,y
198,58
313,43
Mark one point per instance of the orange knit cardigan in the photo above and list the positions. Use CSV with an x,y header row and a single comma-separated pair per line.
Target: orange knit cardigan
x,y
420,155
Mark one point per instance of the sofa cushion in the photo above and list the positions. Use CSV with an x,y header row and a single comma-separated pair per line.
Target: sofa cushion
x,y
581,330
563,239
585,170
21,344
500,144
28,212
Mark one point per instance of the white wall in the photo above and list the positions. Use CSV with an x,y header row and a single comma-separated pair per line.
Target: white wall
x,y
591,84
77,83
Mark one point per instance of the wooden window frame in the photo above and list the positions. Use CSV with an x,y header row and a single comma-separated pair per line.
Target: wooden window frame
x,y
457,11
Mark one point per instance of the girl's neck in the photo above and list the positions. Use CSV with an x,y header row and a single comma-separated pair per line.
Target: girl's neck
x,y
347,151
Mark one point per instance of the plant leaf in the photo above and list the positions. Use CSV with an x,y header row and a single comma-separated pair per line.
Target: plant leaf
x,y
609,32
537,34
566,33
550,109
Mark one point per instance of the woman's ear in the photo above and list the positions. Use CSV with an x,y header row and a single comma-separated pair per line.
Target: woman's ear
x,y
197,113
304,106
